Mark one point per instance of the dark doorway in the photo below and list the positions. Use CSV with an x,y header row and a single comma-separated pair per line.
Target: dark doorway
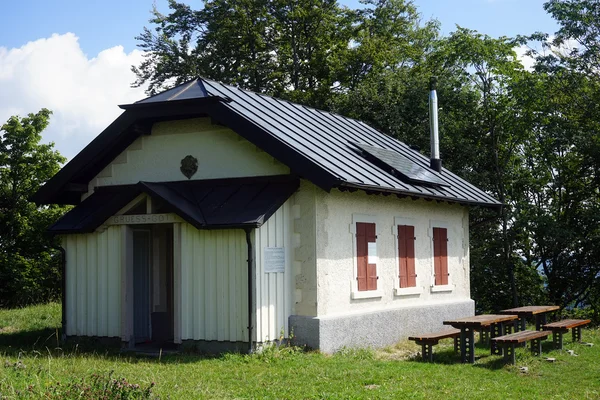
x,y
141,285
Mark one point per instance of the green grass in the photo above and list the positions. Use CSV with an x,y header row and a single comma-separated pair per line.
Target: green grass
x,y
31,361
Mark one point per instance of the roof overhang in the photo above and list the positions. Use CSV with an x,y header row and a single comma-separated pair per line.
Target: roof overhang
x,y
235,203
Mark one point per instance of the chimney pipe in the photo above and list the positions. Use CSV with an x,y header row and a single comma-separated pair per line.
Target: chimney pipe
x,y
435,162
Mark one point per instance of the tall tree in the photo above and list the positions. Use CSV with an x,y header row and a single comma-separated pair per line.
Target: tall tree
x,y
29,262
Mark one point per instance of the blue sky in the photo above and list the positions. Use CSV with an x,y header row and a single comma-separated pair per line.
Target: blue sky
x,y
74,56
103,24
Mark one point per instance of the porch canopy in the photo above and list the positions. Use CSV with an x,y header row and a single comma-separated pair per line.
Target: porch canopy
x,y
206,204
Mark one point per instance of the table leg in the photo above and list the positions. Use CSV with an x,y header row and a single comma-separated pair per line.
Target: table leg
x,y
467,345
496,330
540,320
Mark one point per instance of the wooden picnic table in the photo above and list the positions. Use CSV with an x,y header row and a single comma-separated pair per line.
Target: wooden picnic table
x,y
539,312
467,325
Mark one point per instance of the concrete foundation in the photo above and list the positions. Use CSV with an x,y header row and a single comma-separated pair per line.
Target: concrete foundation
x,y
375,329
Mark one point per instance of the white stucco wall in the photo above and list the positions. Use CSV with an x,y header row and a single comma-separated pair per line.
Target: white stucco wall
x,y
221,153
336,264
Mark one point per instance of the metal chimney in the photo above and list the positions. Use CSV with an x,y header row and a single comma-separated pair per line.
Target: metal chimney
x,y
435,162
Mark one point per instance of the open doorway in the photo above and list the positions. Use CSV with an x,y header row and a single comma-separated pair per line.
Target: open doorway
x,y
153,284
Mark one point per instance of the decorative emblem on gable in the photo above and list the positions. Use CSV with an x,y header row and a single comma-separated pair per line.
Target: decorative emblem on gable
x,y
189,166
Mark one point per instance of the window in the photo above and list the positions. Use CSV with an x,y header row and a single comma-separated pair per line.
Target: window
x,y
440,256
366,256
406,256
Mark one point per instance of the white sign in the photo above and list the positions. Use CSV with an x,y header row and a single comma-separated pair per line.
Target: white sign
x,y
274,259
372,253
143,219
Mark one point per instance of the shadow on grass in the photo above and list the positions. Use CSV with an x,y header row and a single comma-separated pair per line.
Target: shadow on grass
x,y
47,341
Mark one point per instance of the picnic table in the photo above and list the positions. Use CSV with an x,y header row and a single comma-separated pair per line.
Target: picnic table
x,y
539,312
467,325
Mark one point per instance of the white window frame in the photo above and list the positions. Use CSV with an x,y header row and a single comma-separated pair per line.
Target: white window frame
x,y
409,291
355,293
433,287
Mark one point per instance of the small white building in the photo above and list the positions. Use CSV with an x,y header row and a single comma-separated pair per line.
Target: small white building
x,y
224,218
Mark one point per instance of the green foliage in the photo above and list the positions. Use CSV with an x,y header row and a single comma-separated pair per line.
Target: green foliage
x,y
29,263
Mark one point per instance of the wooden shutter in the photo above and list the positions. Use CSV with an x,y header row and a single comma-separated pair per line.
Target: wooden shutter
x,y
406,255
440,255
366,273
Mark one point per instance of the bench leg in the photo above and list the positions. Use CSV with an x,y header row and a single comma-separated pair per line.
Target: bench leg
x,y
467,345
496,330
536,346
576,332
509,353
427,351
557,339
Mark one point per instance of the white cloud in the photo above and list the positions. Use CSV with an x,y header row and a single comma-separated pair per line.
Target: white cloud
x,y
527,61
82,92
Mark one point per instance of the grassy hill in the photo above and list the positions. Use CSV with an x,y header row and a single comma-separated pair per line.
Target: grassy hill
x,y
34,364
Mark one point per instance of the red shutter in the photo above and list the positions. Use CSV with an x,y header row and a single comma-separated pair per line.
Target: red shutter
x,y
361,255
367,273
410,256
440,255
406,255
371,268
402,255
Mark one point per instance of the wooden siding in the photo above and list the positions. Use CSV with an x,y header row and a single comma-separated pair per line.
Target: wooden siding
x,y
273,289
93,283
406,255
440,255
366,273
213,282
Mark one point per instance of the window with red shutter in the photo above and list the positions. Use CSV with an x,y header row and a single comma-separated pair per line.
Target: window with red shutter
x,y
366,272
406,256
440,255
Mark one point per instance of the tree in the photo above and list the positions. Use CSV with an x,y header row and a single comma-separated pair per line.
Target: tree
x,y
29,261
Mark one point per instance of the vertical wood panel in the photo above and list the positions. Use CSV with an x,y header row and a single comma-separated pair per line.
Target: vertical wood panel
x,y
70,242
242,274
232,265
177,279
102,283
186,294
92,284
273,306
81,285
113,288
223,246
198,285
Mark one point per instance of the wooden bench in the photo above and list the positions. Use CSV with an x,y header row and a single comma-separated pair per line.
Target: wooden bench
x,y
431,339
560,327
510,341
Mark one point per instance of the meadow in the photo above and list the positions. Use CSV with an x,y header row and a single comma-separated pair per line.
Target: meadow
x,y
35,364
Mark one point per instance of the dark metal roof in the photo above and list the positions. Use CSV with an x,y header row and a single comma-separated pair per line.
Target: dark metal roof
x,y
315,144
325,139
206,204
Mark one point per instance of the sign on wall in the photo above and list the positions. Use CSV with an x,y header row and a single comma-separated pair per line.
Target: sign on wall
x,y
274,260
143,219
372,253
